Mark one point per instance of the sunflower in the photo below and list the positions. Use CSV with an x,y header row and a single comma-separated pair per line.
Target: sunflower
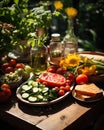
x,y
82,65
73,60
58,5
88,70
71,12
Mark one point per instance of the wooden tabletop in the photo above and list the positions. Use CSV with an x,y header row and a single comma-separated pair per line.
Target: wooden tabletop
x,y
66,114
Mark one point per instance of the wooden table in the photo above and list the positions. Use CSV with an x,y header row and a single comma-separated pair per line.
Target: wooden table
x,y
66,114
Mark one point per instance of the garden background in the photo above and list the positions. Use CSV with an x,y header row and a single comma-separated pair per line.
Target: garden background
x,y
89,24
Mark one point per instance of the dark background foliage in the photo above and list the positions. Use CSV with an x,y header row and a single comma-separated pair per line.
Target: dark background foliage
x,y
89,24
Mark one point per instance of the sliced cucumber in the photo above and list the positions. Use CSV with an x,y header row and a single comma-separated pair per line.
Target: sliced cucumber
x,y
46,94
40,90
45,99
25,95
40,97
26,87
35,90
35,84
45,89
32,99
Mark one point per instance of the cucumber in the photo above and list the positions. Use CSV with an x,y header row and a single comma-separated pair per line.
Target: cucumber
x,y
32,99
26,87
35,90
40,97
40,90
30,82
45,99
35,84
45,89
25,95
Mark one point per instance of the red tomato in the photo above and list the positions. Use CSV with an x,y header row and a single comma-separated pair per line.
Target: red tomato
x,y
68,82
67,88
51,69
9,69
61,92
5,86
60,71
56,88
13,62
52,79
71,77
62,87
5,94
82,79
5,65
20,65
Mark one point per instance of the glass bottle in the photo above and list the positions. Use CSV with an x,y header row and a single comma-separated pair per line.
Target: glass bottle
x,y
38,55
56,49
70,40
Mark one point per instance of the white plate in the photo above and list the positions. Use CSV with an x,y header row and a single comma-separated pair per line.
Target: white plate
x,y
18,94
87,101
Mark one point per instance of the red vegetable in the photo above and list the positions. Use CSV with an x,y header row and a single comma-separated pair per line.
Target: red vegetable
x,y
9,69
51,69
5,93
61,92
81,79
13,62
20,65
52,79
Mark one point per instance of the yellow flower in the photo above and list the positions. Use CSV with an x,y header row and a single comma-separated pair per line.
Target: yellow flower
x,y
81,65
63,65
58,5
71,12
73,60
88,70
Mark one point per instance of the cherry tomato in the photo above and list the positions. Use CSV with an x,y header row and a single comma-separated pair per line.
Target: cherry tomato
x,y
51,69
62,87
13,62
67,88
68,82
56,88
61,92
9,69
5,65
82,79
20,65
71,77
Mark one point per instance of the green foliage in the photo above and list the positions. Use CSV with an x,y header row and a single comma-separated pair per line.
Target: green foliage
x,y
25,20
91,19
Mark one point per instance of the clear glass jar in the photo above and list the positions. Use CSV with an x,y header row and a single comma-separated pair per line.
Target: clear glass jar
x,y
56,49
70,40
38,55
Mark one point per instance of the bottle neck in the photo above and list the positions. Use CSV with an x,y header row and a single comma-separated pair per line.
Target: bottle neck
x,y
70,36
70,27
